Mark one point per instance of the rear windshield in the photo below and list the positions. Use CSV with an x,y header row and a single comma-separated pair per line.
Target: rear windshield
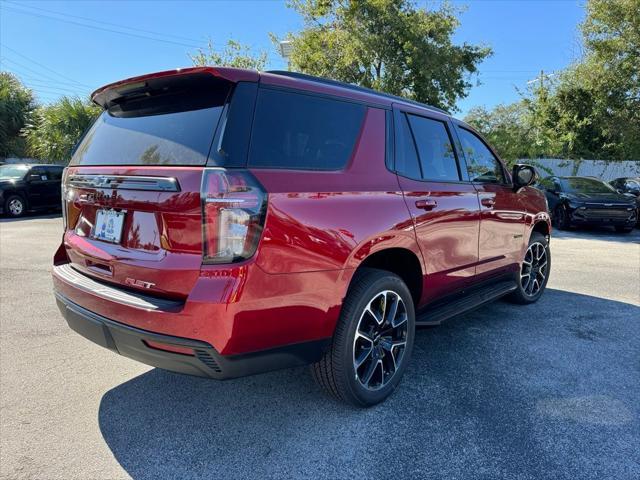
x,y
181,138
300,131
162,122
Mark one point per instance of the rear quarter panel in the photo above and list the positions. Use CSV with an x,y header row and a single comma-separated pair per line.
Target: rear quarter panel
x,y
333,220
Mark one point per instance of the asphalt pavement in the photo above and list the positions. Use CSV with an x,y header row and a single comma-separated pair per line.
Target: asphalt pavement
x,y
550,390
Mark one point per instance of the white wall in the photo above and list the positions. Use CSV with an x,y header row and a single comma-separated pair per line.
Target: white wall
x,y
586,168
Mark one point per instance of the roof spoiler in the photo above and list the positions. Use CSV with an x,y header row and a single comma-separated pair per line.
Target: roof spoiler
x,y
114,93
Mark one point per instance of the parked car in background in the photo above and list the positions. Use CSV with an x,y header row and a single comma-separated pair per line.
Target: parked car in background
x,y
588,201
29,187
629,185
224,222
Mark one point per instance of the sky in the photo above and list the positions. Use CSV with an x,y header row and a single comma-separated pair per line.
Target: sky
x,y
73,47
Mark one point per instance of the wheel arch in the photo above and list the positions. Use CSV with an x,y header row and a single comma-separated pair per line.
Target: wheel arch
x,y
16,192
398,260
543,227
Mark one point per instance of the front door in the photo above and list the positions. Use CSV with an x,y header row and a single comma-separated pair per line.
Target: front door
x,y
502,215
444,206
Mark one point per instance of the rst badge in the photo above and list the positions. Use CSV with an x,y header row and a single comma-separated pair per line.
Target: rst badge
x,y
138,283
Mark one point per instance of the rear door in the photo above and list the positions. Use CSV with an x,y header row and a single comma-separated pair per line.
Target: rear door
x,y
132,190
501,241
38,186
443,204
54,174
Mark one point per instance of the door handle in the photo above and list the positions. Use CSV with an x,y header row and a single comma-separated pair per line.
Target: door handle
x,y
488,202
426,204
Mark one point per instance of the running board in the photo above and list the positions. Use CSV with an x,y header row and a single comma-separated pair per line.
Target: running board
x,y
440,312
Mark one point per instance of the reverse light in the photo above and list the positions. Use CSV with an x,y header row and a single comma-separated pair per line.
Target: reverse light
x,y
233,214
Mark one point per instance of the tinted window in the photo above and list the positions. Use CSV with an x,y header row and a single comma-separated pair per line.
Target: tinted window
x,y
55,173
545,184
300,131
40,172
435,149
406,156
482,165
585,185
181,138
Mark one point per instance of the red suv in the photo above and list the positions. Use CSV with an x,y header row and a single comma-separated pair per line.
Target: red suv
x,y
223,222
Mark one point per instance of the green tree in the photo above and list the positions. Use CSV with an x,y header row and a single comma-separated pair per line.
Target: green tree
x,y
505,128
387,45
611,73
234,54
592,108
55,129
16,104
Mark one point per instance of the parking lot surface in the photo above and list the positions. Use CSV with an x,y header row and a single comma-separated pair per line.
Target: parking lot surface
x,y
550,390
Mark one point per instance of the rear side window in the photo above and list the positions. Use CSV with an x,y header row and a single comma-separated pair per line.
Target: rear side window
x,y
55,173
298,131
407,163
435,149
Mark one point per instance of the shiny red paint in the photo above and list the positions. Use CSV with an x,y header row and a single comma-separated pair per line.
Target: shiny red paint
x,y
447,233
319,228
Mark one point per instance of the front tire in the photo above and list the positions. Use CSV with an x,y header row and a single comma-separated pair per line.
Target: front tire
x,y
534,272
372,344
15,206
561,218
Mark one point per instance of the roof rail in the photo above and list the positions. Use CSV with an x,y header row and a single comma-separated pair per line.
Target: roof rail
x,y
350,86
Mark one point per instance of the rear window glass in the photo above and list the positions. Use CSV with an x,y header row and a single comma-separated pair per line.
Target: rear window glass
x,y
299,131
168,120
407,159
181,138
434,149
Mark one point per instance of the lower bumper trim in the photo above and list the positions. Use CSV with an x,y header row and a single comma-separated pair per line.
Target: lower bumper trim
x,y
205,362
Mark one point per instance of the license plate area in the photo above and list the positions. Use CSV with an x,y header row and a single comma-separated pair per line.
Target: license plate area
x,y
108,226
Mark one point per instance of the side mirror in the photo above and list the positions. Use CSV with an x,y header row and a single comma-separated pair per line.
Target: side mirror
x,y
523,175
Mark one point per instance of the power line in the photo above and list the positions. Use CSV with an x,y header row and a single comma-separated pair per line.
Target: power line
x,y
161,34
40,74
42,66
38,84
95,27
32,77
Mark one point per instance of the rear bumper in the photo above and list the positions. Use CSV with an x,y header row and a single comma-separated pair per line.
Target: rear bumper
x,y
204,361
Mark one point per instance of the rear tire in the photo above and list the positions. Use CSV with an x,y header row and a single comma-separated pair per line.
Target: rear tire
x,y
15,206
534,271
373,340
624,229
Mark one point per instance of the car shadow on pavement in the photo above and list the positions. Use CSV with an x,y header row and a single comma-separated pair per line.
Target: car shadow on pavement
x,y
543,391
30,216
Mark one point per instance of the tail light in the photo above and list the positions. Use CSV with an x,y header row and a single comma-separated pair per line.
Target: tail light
x,y
233,213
